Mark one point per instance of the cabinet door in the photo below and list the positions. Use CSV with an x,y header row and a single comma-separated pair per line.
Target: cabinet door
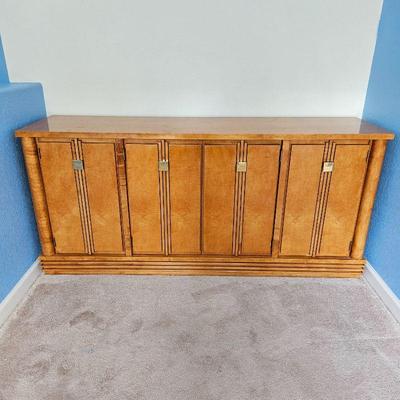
x,y
301,198
144,193
185,198
260,198
345,191
62,197
102,187
218,198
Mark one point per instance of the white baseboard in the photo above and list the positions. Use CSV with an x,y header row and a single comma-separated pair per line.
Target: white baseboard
x,y
19,291
386,294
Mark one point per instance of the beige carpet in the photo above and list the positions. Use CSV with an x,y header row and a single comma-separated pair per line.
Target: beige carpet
x,y
183,338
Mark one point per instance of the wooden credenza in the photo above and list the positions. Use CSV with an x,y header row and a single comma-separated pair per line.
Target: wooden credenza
x,y
203,196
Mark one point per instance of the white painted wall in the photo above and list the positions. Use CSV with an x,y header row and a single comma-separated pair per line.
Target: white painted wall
x,y
193,57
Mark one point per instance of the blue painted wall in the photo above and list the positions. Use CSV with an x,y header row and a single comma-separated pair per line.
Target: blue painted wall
x,y
382,106
20,104
3,66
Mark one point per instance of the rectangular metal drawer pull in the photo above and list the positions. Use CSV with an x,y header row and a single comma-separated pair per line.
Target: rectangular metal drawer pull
x,y
328,166
163,165
241,166
77,164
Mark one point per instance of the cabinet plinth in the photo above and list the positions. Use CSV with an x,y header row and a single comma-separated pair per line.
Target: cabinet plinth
x,y
203,196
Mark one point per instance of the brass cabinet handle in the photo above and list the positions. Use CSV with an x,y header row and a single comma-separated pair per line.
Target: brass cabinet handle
x,y
241,166
163,165
328,166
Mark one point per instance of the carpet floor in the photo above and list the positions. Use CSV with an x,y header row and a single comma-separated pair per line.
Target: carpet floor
x,y
200,338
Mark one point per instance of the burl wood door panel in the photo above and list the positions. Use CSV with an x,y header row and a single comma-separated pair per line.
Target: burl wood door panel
x,y
102,187
344,198
260,198
185,198
144,194
218,198
62,197
301,198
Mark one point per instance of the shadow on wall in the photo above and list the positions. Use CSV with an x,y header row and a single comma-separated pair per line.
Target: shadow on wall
x,y
20,104
382,106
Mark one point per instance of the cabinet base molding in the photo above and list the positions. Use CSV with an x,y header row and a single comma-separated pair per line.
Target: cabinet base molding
x,y
190,266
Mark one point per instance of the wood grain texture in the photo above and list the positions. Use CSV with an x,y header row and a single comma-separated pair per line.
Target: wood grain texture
x,y
202,217
322,198
165,201
123,196
301,198
344,198
280,199
62,197
205,272
238,209
218,198
38,195
259,198
144,193
101,178
83,198
201,128
376,158
199,259
185,197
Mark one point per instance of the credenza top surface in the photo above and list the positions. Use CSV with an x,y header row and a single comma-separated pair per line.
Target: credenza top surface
x,y
278,128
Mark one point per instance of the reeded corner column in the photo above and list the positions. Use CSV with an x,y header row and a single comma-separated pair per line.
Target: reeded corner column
x,y
368,197
38,197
